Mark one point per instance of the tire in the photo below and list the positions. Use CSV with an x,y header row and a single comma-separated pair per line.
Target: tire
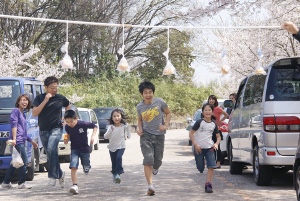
x,y
67,158
30,170
262,173
297,182
234,167
96,146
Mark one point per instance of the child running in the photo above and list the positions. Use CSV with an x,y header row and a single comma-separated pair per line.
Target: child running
x,y
204,147
77,133
117,133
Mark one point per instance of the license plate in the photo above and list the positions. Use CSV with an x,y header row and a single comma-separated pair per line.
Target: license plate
x,y
4,134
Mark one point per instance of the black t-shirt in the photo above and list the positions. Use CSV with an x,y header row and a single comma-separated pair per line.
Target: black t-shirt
x,y
50,116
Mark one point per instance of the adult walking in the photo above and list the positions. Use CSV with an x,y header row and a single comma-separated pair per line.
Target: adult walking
x,y
48,108
18,138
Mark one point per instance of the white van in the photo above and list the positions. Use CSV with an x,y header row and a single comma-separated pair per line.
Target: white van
x,y
264,126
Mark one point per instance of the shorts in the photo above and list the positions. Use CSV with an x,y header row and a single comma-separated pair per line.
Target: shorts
x,y
84,158
209,155
152,147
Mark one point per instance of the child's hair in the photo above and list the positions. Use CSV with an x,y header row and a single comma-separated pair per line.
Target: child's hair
x,y
50,80
146,85
212,108
70,114
123,116
214,98
18,100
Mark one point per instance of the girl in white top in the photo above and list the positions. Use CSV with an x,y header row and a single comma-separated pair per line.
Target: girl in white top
x,y
117,133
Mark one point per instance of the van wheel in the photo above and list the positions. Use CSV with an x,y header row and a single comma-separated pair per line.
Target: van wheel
x,y
96,146
67,158
234,167
30,170
297,183
262,173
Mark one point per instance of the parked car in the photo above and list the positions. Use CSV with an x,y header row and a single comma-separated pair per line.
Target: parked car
x,y
223,128
263,128
89,115
10,89
103,114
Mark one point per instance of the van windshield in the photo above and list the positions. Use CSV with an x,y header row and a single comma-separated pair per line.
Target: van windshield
x,y
9,92
284,83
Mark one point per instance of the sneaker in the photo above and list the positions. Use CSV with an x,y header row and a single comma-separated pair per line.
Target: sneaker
x,y
208,188
117,179
3,185
151,191
74,189
114,178
86,171
62,180
52,182
24,186
154,171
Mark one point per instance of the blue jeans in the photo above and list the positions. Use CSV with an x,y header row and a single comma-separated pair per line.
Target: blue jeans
x,y
209,155
22,170
84,158
116,161
50,140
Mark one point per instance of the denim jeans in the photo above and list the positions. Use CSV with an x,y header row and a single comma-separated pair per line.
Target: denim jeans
x,y
84,158
22,170
50,140
209,155
116,161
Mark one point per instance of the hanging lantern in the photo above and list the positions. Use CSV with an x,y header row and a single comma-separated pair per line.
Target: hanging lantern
x,y
259,69
169,68
225,68
123,64
66,62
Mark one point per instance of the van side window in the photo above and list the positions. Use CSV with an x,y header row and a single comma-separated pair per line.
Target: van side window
x,y
258,88
28,89
240,94
38,89
248,94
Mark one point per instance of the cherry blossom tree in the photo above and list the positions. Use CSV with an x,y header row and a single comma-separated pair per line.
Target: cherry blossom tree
x,y
13,62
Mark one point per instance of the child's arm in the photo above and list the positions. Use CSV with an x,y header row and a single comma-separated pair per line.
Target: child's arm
x,y
140,126
192,137
93,135
108,132
216,145
167,121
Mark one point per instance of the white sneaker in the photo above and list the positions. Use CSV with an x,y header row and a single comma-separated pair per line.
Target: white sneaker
x,y
52,182
62,180
74,189
24,186
3,185
154,171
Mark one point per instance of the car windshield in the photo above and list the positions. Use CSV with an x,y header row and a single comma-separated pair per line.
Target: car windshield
x,y
85,116
9,92
197,115
103,113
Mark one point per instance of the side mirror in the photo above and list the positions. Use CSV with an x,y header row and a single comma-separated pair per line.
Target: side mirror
x,y
188,120
228,104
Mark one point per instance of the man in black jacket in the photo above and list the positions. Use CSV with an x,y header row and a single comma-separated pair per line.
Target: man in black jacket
x,y
293,29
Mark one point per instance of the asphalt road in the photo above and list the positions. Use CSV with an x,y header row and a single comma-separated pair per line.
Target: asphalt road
x,y
177,179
